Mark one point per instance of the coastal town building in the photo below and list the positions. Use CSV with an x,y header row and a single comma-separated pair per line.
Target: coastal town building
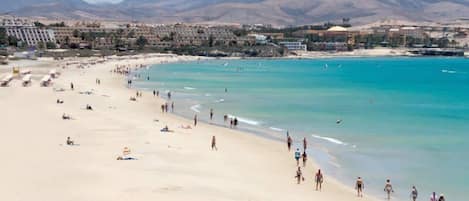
x,y
294,46
26,32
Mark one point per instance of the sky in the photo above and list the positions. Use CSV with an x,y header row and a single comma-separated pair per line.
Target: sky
x,y
103,1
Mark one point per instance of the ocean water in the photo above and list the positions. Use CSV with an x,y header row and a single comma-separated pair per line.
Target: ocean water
x,y
406,119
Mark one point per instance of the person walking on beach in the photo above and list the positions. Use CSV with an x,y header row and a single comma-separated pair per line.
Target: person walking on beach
x,y
214,144
169,95
231,123
305,158
289,142
225,118
297,157
154,93
162,108
388,189
71,86
359,186
211,114
299,175
414,193
158,93
195,120
319,178
433,197
172,106
235,122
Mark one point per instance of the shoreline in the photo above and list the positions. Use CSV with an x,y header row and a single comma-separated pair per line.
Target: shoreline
x,y
113,109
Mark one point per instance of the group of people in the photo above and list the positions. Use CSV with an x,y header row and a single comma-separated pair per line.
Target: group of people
x,y
359,184
318,176
165,107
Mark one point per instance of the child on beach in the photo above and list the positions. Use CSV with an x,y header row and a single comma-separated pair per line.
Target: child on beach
x,y
299,175
297,156
388,189
319,179
359,186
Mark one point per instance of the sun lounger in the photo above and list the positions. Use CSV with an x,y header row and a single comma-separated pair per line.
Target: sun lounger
x,y
25,72
53,73
46,81
6,80
26,80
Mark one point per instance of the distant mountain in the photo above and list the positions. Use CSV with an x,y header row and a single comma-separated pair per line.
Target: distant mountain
x,y
277,12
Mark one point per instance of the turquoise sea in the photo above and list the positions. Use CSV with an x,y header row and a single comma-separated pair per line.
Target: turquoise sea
x,y
406,119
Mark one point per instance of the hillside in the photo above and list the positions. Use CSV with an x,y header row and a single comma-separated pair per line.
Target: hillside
x,y
277,12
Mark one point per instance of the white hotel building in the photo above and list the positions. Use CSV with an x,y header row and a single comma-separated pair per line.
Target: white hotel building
x,y
27,32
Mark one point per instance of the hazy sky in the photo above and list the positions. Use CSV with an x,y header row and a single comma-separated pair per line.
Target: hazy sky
x,y
103,1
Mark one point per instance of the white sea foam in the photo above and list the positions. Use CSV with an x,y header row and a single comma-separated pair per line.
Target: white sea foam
x,y
245,120
329,139
196,108
448,71
208,95
276,129
220,100
189,88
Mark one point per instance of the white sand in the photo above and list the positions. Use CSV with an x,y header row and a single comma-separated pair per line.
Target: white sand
x,y
36,165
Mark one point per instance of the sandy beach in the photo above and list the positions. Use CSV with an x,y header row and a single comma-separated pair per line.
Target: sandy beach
x,y
179,165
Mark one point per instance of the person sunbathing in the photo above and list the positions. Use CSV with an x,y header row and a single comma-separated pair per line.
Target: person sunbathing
x,y
59,101
186,127
166,129
88,107
133,99
125,158
66,116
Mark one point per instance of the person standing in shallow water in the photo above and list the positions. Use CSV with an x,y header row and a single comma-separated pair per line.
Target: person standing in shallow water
x,y
388,189
211,114
195,120
305,144
359,186
414,193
